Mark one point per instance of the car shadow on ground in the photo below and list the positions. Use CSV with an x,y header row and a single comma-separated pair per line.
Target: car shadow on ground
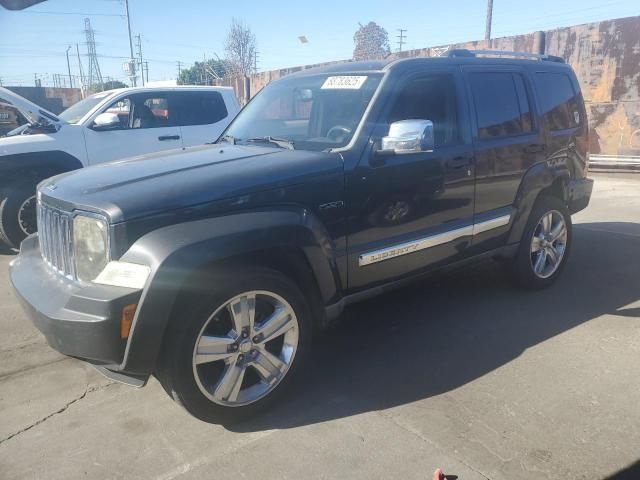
x,y
442,333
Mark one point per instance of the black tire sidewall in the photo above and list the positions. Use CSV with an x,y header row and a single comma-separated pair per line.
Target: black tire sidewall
x,y
10,203
523,268
176,369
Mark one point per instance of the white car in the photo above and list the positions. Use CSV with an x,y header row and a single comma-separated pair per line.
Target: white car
x,y
106,126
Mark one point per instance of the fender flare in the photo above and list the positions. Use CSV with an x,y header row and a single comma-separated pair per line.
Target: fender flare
x,y
537,178
34,165
177,251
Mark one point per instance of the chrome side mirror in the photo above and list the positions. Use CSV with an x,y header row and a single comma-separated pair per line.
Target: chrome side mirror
x,y
409,136
106,121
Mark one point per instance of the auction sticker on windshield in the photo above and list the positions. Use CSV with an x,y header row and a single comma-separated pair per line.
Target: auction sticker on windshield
x,y
353,82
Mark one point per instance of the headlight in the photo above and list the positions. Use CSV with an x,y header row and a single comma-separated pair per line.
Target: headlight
x,y
91,246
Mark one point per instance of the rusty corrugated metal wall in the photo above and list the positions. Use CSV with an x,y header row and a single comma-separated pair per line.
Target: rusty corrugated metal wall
x,y
605,56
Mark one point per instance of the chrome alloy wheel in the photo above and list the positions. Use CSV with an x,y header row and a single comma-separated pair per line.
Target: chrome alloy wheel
x,y
548,244
245,348
27,216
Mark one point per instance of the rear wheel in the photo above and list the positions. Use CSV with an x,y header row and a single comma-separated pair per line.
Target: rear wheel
x,y
545,244
236,346
18,214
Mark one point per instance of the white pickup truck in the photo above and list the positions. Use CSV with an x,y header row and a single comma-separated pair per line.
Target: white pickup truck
x,y
106,126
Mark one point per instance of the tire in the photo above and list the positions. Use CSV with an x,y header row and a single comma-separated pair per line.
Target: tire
x,y
531,271
17,214
207,390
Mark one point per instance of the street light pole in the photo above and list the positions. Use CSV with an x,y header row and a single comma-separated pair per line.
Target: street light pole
x,y
69,67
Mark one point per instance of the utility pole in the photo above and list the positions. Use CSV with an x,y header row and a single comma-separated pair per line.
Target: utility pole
x,y
69,67
179,63
487,32
255,61
132,62
146,70
141,63
401,38
81,72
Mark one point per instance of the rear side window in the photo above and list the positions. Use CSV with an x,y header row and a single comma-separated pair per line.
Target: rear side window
x,y
201,108
558,100
502,106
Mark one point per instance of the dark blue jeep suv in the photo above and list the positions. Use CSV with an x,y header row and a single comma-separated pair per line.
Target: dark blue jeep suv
x,y
210,267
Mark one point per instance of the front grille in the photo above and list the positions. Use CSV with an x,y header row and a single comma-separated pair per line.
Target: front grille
x,y
56,242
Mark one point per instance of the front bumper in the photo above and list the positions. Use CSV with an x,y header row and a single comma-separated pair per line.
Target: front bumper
x,y
77,320
579,194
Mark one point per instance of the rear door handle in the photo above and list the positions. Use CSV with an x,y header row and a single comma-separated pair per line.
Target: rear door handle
x,y
168,137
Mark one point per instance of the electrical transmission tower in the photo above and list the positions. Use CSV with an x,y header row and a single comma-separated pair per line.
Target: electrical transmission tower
x,y
94,76
401,38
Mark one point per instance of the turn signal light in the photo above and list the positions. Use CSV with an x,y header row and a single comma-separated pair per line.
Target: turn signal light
x,y
128,313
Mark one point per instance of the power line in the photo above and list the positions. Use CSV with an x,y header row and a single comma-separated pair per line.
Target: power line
x,y
401,38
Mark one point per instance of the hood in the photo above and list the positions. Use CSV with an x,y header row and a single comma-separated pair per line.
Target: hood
x,y
168,181
35,114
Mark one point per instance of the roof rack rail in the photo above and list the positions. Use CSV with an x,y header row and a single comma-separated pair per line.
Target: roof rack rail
x,y
465,53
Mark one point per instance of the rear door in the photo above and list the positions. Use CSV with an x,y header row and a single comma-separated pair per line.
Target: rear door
x,y
507,142
147,125
202,116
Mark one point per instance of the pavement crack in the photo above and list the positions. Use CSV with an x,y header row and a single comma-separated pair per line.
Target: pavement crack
x,y
420,436
57,412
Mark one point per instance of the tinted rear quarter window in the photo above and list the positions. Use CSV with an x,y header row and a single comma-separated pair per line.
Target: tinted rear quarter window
x,y
558,100
502,108
201,108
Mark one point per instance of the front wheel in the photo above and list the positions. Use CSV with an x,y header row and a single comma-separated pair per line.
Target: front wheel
x,y
236,347
545,244
18,214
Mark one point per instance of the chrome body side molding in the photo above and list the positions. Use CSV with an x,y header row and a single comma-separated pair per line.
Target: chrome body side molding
x,y
398,250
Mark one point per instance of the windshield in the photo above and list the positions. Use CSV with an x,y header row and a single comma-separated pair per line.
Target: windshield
x,y
74,113
316,112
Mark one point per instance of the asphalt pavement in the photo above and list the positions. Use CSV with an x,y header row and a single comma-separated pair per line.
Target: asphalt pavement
x,y
462,371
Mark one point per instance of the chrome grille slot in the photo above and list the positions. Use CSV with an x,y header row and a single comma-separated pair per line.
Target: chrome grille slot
x,y
54,232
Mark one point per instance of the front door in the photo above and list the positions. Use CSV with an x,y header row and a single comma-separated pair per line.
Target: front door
x,y
146,126
412,211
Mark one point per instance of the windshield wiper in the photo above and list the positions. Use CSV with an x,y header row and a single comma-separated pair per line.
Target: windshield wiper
x,y
280,142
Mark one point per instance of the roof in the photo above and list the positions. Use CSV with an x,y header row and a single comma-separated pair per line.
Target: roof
x,y
455,57
153,88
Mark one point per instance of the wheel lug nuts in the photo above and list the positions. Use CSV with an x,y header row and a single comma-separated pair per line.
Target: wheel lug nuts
x,y
245,334
240,357
256,339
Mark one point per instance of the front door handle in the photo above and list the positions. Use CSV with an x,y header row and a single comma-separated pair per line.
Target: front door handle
x,y
168,137
458,162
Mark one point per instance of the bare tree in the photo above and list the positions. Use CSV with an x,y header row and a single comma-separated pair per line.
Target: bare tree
x,y
371,41
240,48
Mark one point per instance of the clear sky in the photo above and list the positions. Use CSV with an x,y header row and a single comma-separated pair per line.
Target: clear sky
x,y
34,41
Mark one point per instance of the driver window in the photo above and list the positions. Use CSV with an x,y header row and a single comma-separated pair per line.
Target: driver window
x,y
430,97
141,111
121,108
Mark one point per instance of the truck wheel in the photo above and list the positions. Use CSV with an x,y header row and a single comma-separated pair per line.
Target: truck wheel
x,y
18,214
545,244
236,344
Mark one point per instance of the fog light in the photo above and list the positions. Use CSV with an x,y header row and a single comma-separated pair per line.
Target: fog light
x,y
128,312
